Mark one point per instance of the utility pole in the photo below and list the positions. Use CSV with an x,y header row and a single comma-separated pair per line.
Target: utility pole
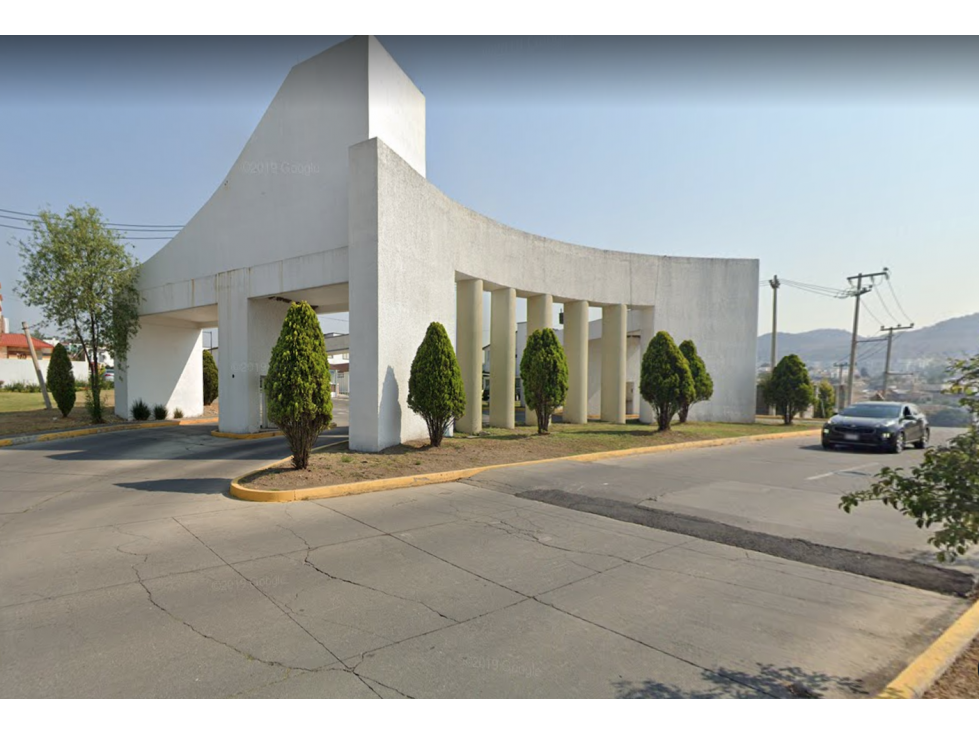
x,y
37,367
774,284
887,363
858,291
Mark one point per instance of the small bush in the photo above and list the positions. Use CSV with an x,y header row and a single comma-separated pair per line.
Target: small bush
x,y
665,380
790,389
61,380
210,378
140,410
21,387
544,371
298,382
177,414
435,389
703,384
161,412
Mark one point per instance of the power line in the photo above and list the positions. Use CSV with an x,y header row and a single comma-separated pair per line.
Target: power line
x,y
880,298
111,225
28,229
894,296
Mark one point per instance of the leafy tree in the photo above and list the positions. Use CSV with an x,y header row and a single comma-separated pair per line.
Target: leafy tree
x,y
85,282
61,379
435,389
943,489
210,378
544,372
790,389
703,385
825,399
298,382
665,380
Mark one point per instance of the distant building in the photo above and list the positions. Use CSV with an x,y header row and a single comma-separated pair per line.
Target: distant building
x,y
14,346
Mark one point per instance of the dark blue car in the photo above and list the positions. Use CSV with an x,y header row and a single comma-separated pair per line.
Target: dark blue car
x,y
881,425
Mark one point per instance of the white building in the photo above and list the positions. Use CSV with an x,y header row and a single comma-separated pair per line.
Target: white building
x,y
328,203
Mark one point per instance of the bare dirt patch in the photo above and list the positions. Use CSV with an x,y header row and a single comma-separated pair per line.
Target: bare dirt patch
x,y
962,679
339,465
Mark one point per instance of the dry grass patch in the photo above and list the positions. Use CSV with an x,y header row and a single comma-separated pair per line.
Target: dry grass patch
x,y
960,680
339,465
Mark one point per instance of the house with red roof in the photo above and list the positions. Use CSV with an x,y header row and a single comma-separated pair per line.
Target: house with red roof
x,y
14,346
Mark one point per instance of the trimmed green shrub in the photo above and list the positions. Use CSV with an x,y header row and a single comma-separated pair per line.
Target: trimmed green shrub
x,y
665,380
435,389
140,410
825,399
703,385
544,372
297,388
160,412
61,380
789,390
210,378
177,414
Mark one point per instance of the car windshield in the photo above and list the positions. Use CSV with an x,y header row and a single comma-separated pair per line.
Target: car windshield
x,y
869,410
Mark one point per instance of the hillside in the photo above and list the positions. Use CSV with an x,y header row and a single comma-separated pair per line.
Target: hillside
x,y
821,347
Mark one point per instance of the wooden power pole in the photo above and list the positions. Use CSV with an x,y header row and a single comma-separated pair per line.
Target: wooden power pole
x,y
37,366
859,290
887,362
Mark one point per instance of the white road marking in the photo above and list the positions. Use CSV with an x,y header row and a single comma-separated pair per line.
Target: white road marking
x,y
842,471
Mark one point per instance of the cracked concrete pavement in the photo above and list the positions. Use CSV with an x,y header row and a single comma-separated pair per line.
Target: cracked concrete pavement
x,y
126,570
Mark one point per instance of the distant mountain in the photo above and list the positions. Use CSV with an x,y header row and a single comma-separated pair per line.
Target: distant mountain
x,y
822,347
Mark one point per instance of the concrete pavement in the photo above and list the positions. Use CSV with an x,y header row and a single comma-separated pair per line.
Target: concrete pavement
x,y
126,571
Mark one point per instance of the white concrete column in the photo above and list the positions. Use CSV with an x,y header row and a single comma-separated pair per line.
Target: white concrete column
x,y
247,331
646,333
540,315
469,339
503,351
613,363
163,367
576,349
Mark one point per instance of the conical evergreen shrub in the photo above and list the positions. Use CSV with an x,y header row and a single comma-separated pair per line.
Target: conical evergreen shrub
x,y
61,380
703,384
665,381
544,372
435,389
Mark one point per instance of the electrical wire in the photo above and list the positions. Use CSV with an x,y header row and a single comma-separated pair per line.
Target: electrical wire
x,y
114,225
900,307
882,303
28,229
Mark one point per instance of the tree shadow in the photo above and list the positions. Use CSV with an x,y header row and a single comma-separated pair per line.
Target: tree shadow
x,y
203,485
768,680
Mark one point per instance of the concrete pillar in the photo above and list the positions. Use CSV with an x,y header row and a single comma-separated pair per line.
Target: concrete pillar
x,y
248,329
646,333
613,363
576,349
503,351
540,315
469,341
163,367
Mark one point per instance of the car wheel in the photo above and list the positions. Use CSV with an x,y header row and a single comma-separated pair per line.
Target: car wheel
x,y
898,445
923,442
828,446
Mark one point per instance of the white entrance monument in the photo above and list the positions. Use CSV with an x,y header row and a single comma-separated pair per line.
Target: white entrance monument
x,y
328,203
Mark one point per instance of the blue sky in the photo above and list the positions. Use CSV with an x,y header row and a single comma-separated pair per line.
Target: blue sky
x,y
820,158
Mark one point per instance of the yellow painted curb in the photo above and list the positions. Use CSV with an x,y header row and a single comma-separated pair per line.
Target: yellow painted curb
x,y
246,436
915,680
420,480
37,438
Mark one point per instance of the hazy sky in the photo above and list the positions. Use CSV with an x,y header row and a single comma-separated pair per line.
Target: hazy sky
x,y
821,158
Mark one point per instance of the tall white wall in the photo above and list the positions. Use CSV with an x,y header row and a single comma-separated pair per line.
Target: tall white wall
x,y
163,367
286,194
400,282
22,370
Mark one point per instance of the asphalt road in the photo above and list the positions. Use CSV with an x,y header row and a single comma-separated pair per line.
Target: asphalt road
x,y
126,570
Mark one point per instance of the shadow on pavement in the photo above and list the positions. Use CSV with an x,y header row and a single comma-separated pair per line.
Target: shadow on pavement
x,y
769,680
206,485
